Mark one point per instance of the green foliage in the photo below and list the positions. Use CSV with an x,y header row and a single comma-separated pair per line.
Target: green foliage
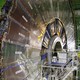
x,y
76,4
2,2
79,54
77,21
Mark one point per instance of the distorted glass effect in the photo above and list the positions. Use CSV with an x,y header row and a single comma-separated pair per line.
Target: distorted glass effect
x,y
26,22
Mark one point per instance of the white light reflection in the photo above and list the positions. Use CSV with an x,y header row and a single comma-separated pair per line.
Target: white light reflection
x,y
22,35
30,5
24,18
